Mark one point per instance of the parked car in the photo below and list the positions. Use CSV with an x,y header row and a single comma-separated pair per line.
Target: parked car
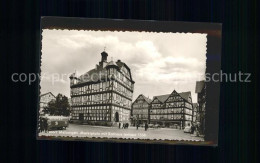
x,y
157,126
142,125
172,126
187,129
151,125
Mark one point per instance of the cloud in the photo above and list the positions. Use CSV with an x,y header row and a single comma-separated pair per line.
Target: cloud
x,y
159,62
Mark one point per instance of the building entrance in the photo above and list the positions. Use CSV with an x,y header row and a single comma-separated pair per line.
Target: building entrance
x,y
81,116
116,117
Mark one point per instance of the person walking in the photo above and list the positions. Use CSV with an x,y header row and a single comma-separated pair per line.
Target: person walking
x,y
119,126
146,126
137,125
197,131
45,125
192,128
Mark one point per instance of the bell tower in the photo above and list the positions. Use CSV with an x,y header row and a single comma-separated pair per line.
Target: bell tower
x,y
104,56
103,61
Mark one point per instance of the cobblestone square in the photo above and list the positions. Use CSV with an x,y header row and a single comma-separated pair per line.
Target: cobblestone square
x,y
76,130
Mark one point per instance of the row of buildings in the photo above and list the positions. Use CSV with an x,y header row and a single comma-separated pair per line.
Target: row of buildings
x,y
104,95
170,110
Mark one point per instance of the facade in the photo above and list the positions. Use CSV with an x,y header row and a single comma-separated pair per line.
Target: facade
x,y
45,99
172,110
201,92
103,94
140,110
70,101
194,114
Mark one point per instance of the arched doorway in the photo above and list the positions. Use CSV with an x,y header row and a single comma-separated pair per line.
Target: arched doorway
x,y
116,117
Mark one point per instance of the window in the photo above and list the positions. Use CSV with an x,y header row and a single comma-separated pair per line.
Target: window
x,y
98,97
100,86
104,86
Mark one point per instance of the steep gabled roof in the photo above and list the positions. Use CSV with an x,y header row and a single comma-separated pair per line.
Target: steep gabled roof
x,y
120,64
100,70
46,94
147,99
162,98
199,86
185,95
88,75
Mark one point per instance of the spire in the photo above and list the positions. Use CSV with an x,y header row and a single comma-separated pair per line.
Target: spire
x,y
76,73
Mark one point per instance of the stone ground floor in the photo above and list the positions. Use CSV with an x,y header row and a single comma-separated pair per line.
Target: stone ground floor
x,y
76,130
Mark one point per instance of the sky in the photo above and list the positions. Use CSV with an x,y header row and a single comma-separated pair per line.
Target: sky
x,y
159,62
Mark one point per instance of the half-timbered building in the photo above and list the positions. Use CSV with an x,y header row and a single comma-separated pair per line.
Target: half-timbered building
x,y
195,111
173,109
103,94
201,92
45,99
140,110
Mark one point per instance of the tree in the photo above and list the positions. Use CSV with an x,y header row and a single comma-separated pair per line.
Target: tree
x,y
59,106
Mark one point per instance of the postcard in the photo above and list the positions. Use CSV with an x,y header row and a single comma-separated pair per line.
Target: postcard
x,y
129,81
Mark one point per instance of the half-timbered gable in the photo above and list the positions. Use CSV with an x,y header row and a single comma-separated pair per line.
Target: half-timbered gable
x,y
140,109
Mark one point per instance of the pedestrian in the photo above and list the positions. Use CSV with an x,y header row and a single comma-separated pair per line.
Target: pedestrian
x,y
146,126
45,125
137,125
119,125
192,128
127,125
42,124
197,131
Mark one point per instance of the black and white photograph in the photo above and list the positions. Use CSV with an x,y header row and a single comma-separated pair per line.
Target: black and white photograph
x,y
127,85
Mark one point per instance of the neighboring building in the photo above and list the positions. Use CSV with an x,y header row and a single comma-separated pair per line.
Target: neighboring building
x,y
45,99
173,109
70,103
103,94
140,110
194,114
201,91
